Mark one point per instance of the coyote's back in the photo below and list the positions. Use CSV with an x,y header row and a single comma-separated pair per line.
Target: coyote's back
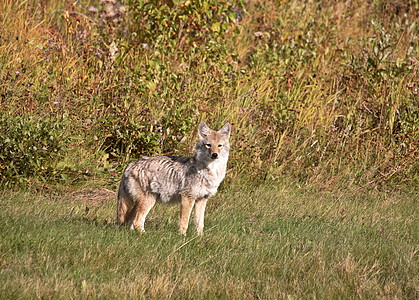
x,y
188,180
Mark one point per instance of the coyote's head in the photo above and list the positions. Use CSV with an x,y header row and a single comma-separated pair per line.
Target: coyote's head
x,y
213,144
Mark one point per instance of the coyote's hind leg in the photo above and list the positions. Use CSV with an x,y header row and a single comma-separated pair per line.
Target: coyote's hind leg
x,y
141,210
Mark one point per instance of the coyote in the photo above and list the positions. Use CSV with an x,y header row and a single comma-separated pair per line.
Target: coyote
x,y
188,180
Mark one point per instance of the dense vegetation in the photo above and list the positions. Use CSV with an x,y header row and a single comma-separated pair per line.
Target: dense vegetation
x,y
322,93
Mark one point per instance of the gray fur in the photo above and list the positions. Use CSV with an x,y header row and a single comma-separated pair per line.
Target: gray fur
x,y
175,179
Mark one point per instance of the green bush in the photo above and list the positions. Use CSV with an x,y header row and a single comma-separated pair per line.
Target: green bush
x,y
131,132
30,146
128,133
188,23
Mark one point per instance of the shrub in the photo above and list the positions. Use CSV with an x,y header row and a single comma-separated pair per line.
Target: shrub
x,y
30,146
188,23
127,132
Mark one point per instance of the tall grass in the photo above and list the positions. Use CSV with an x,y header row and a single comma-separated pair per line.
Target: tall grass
x,y
322,93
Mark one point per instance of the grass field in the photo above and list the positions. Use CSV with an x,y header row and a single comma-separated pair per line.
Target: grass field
x,y
260,242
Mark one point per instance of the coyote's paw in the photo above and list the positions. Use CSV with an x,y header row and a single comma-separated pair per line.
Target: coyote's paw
x,y
138,229
182,231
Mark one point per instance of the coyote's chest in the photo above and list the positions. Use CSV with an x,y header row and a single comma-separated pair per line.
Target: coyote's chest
x,y
206,183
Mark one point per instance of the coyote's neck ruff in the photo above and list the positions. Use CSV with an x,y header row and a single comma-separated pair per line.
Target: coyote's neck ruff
x,y
190,180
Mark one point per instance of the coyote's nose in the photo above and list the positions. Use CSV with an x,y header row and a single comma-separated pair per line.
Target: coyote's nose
x,y
214,155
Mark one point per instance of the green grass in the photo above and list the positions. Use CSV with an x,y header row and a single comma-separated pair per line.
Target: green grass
x,y
259,243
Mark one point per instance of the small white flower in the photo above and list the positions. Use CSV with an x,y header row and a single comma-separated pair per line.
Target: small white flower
x,y
93,10
112,50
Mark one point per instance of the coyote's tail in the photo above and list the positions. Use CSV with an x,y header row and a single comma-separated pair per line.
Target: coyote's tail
x,y
125,206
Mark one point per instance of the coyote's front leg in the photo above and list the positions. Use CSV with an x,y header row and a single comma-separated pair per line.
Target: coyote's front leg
x,y
199,215
186,205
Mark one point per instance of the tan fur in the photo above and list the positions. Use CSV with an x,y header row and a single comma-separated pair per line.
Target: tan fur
x,y
188,180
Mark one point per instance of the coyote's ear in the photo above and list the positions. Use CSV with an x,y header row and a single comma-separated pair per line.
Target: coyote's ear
x,y
203,130
225,130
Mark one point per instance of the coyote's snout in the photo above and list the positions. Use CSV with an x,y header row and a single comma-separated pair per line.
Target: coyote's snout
x,y
188,180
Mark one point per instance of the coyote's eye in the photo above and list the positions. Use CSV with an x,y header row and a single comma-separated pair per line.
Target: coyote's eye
x,y
208,145
220,146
